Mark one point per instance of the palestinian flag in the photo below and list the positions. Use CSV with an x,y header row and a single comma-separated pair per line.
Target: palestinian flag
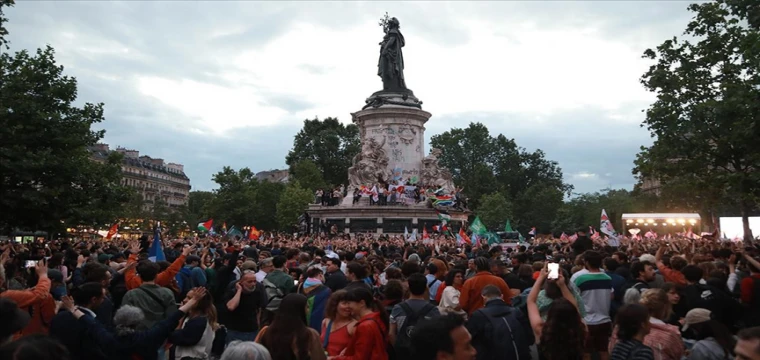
x,y
206,226
444,216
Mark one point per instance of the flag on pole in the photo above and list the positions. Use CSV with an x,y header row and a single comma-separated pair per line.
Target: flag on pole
x,y
508,227
532,231
425,235
563,237
224,228
156,252
254,233
477,227
605,226
406,234
206,226
444,216
112,231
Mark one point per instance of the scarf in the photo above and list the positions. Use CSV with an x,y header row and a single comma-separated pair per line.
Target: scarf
x,y
311,282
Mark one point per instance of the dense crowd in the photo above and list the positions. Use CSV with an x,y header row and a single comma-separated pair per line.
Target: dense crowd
x,y
288,297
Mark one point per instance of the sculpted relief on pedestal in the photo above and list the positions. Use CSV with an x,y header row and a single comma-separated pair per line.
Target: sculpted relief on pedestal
x,y
370,165
435,175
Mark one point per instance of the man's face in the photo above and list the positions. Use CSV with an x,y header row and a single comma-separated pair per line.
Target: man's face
x,y
248,282
747,349
649,273
463,349
332,265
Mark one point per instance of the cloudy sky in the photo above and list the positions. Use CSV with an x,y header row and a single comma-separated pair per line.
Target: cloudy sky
x,y
209,83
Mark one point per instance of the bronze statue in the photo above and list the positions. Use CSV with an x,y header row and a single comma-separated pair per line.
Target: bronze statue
x,y
390,67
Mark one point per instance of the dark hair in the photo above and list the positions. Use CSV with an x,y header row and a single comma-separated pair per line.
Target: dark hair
x,y
715,329
35,347
451,275
393,273
482,264
750,334
279,261
490,291
611,264
564,330
638,268
692,273
622,256
417,284
331,309
677,263
359,270
434,335
331,260
313,271
552,290
522,257
630,320
288,328
147,270
410,267
394,290
360,294
593,259
84,293
94,271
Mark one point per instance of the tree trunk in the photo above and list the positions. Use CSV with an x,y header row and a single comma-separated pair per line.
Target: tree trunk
x,y
745,223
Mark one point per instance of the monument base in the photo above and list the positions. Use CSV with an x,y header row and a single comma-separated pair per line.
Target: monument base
x,y
381,219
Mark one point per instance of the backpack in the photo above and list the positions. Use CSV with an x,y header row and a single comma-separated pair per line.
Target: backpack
x,y
274,295
497,342
403,345
184,282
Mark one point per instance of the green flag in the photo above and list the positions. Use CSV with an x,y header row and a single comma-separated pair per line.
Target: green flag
x,y
508,227
493,238
477,227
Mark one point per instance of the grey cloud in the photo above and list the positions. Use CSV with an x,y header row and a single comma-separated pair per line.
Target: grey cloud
x,y
290,103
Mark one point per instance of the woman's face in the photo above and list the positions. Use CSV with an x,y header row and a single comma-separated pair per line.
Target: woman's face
x,y
673,296
355,306
458,279
345,308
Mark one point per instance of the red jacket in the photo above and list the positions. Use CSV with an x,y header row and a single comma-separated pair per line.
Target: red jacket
x,y
369,340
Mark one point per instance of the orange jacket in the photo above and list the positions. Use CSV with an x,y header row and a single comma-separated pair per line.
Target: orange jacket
x,y
671,275
163,278
470,298
25,298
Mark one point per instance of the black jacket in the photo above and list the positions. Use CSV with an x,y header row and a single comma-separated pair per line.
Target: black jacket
x,y
75,336
497,339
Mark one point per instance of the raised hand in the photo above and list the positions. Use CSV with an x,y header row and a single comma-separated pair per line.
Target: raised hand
x,y
68,303
41,268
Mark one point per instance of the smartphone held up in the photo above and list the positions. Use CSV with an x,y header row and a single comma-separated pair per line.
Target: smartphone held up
x,y
553,271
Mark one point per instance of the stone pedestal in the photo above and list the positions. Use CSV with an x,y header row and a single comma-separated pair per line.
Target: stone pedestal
x,y
401,130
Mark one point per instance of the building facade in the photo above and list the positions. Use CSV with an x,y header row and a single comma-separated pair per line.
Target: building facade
x,y
151,177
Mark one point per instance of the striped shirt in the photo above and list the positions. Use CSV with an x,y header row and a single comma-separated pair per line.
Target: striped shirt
x,y
631,350
596,291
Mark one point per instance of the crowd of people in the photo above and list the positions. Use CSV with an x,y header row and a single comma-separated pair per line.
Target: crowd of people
x,y
286,297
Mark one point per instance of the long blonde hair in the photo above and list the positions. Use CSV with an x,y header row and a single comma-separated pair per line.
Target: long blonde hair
x,y
656,301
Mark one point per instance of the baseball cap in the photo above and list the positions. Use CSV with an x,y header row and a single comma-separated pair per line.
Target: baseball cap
x,y
102,258
14,319
695,316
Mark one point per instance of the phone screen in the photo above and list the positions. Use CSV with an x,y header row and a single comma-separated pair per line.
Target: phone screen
x,y
553,271
30,264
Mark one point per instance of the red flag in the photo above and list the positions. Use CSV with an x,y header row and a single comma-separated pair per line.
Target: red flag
x,y
425,233
112,231
464,236
254,234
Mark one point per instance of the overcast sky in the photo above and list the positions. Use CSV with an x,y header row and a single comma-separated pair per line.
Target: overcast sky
x,y
209,84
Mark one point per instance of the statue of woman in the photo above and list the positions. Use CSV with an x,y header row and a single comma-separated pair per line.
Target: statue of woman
x,y
390,67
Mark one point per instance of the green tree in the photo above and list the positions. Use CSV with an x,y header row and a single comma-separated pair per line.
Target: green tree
x,y
242,200
706,116
328,143
494,210
306,173
198,206
291,205
484,164
48,178
3,20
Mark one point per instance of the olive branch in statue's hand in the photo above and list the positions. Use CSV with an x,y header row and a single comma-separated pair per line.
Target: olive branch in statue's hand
x,y
384,22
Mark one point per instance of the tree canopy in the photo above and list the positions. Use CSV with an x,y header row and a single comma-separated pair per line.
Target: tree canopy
x,y
48,177
706,119
485,164
292,204
330,145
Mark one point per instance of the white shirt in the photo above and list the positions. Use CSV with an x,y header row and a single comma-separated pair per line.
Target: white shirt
x,y
87,311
